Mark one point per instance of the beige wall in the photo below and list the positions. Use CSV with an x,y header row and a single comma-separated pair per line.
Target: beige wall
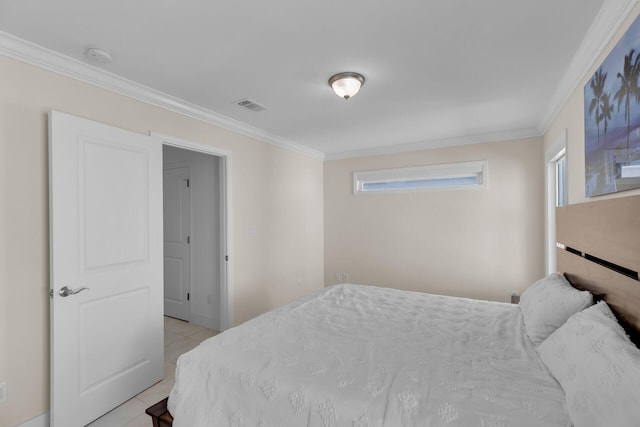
x,y
571,118
277,191
472,243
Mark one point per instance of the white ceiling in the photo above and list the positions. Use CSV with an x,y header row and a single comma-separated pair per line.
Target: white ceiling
x,y
436,70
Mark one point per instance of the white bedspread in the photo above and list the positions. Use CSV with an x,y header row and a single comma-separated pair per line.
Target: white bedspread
x,y
353,355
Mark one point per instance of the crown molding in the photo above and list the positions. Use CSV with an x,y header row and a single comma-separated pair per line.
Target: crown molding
x,y
608,21
436,143
31,53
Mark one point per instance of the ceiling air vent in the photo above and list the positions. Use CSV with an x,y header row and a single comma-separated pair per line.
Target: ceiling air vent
x,y
250,105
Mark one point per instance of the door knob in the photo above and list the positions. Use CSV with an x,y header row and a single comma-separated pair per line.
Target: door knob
x,y
65,291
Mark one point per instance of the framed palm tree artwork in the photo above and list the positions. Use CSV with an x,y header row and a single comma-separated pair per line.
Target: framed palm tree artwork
x,y
612,119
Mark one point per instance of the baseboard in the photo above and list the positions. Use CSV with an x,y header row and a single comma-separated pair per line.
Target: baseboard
x,y
39,421
204,321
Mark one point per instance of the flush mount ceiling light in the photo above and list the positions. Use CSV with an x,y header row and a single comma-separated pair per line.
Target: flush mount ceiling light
x,y
346,85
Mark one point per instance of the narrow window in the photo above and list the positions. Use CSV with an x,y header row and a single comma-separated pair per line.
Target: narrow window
x,y
556,193
561,179
467,175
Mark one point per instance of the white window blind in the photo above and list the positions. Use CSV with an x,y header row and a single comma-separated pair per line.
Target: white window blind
x,y
449,176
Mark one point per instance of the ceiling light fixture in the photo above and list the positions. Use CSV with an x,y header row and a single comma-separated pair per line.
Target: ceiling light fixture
x,y
347,84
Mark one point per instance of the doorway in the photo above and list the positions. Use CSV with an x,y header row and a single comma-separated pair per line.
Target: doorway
x,y
196,252
107,263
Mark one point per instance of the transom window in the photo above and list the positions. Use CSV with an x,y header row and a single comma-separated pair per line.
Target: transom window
x,y
449,176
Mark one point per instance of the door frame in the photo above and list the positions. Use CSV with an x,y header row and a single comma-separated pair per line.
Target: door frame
x,y
226,242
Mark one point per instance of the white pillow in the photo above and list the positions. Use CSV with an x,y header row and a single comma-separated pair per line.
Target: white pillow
x,y
548,303
598,367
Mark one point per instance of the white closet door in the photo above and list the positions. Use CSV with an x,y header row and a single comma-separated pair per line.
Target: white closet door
x,y
177,248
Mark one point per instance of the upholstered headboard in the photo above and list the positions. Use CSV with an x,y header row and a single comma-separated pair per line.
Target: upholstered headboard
x,y
599,250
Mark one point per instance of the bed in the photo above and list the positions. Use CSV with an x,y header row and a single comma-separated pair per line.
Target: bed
x,y
355,355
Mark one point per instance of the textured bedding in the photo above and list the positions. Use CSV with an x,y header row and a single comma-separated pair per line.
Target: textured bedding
x,y
353,355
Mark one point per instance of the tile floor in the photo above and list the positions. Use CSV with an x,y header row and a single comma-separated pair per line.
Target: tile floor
x,y
179,337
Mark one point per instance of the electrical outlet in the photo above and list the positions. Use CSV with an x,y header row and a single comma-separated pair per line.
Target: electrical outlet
x,y
342,277
3,392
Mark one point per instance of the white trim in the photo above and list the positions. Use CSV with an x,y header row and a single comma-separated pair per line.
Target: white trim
x,y
31,53
226,293
226,275
39,421
440,143
551,154
608,21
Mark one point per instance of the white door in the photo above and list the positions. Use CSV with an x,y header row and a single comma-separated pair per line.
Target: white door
x,y
177,251
106,238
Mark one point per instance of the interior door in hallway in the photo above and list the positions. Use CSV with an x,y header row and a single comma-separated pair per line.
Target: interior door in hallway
x,y
177,239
